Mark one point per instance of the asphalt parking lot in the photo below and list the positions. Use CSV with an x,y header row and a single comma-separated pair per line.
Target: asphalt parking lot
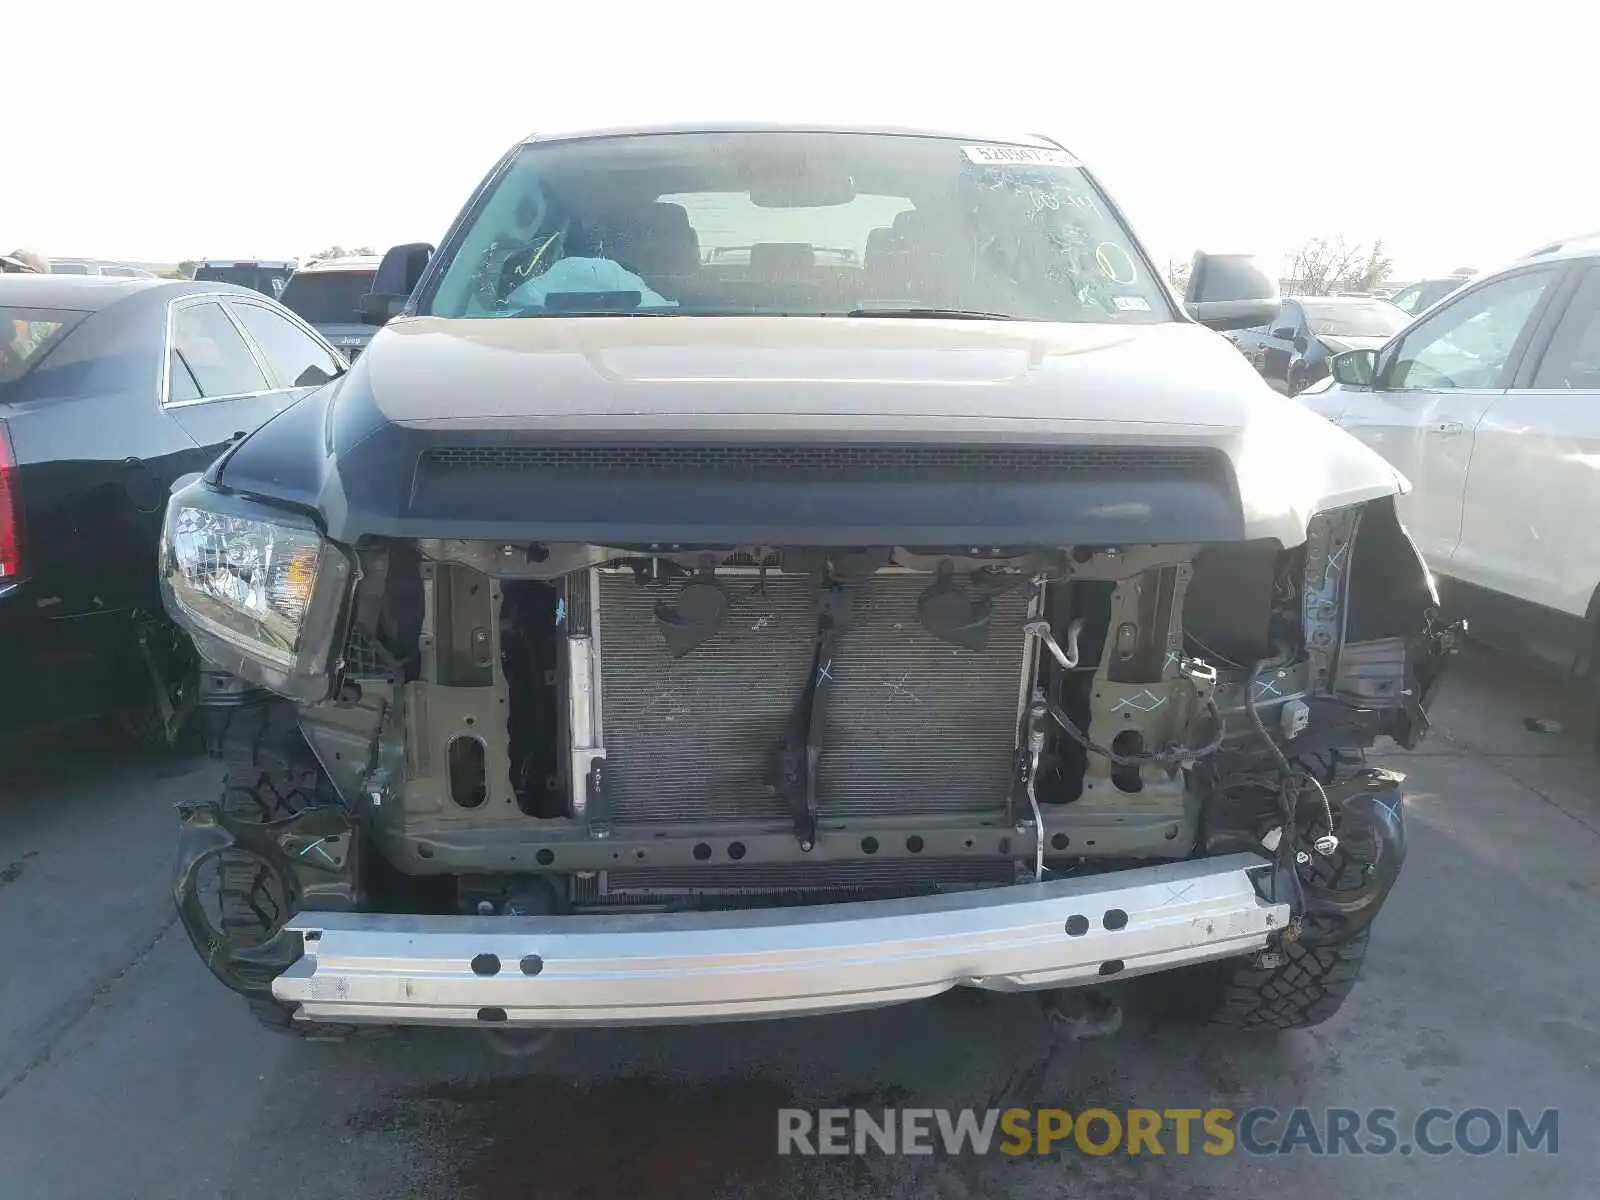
x,y
126,1071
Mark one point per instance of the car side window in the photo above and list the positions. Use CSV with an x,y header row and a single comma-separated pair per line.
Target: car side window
x,y
295,357
1572,363
215,352
1409,298
1467,344
180,380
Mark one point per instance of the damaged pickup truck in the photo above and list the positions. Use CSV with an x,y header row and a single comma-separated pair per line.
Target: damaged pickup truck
x,y
638,634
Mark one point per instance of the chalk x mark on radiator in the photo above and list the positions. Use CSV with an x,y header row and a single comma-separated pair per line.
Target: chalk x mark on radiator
x,y
897,689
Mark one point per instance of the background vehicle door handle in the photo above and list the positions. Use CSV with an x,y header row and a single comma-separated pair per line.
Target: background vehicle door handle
x,y
1449,428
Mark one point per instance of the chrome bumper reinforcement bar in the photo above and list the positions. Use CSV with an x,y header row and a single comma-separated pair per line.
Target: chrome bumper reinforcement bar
x,y
682,968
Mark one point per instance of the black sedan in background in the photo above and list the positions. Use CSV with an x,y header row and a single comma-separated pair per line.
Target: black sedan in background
x,y
1293,349
110,389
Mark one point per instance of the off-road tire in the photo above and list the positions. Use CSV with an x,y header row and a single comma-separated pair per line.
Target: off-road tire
x,y
269,773
1305,989
1308,985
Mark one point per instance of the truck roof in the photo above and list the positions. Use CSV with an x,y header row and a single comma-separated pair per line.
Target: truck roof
x,y
1037,140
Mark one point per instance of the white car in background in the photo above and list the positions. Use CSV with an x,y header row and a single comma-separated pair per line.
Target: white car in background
x,y
1489,404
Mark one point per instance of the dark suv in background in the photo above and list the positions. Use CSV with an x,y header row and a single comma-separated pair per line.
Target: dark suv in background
x,y
266,276
328,296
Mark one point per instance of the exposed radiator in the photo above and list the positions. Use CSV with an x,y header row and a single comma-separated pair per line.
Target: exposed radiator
x,y
915,724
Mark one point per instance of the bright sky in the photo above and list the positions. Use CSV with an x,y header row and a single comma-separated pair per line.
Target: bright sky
x,y
1461,134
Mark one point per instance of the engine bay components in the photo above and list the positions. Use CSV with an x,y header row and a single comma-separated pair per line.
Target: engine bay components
x,y
737,713
695,615
955,613
683,725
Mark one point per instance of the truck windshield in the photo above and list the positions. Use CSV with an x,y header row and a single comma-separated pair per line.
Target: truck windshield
x,y
327,297
795,224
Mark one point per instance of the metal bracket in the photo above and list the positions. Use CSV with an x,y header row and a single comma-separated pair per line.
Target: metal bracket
x,y
1329,541
597,806
798,755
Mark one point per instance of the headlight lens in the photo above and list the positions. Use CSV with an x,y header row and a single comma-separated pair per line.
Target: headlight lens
x,y
244,580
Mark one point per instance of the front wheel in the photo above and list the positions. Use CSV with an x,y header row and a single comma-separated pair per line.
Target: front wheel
x,y
269,773
1295,985
1303,986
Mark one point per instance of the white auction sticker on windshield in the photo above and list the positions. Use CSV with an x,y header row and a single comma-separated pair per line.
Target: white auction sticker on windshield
x,y
1131,303
1018,156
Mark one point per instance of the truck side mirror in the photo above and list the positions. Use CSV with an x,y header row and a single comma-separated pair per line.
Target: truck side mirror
x,y
1230,291
394,281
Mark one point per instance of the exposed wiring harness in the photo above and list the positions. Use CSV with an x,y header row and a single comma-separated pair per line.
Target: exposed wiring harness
x,y
1291,784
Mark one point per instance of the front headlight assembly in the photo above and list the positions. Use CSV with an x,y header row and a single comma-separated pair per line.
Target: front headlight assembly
x,y
261,591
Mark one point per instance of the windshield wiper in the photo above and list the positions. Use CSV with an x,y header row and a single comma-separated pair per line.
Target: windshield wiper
x,y
937,314
597,312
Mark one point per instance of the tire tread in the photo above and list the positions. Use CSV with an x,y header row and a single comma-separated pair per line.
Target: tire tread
x,y
269,773
1308,986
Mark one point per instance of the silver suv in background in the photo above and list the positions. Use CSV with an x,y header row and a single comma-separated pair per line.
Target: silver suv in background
x,y
89,266
328,295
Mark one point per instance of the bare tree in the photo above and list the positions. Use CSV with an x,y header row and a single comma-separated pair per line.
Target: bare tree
x,y
1374,273
338,251
1325,265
